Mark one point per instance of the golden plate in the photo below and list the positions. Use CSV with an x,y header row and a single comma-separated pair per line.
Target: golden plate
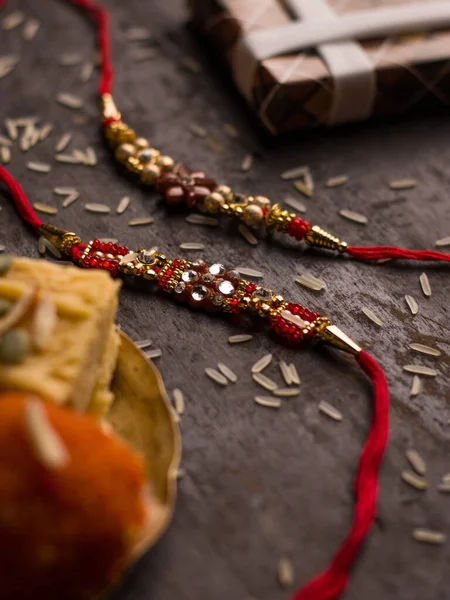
x,y
141,415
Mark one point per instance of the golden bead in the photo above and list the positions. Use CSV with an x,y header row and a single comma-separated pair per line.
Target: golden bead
x,y
226,192
147,155
124,151
141,143
166,163
150,174
261,201
126,136
213,202
252,215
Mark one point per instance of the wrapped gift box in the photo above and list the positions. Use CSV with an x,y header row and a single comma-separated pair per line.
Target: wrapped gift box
x,y
401,61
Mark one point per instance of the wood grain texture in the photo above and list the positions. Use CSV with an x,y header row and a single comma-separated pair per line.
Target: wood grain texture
x,y
260,484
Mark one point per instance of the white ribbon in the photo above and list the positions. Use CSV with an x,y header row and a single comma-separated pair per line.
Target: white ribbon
x,y
331,35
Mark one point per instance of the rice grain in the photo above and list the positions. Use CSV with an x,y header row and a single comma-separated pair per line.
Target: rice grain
x,y
30,29
425,349
286,392
138,34
443,242
39,167
303,188
86,72
247,235
214,144
178,400
420,370
295,172
240,338
231,130
156,353
142,344
247,272
216,376
416,386
45,208
140,221
195,219
351,215
262,363
403,184
45,131
197,130
330,411
268,401
123,205
337,181
286,372
5,154
264,382
285,572
229,374
295,204
425,284
63,142
247,163
192,246
95,207
69,100
12,20
416,461
294,375
444,488
412,304
372,316
70,199
4,141
429,536
312,283
414,480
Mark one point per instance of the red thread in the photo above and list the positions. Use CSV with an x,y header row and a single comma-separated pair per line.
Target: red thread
x,y
20,200
100,17
383,252
332,582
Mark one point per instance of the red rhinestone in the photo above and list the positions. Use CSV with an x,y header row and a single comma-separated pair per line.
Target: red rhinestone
x,y
250,288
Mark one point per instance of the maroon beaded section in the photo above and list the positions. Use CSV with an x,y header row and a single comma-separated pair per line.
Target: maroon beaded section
x,y
181,185
100,255
290,331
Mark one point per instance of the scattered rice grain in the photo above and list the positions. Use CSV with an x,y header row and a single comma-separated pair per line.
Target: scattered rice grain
x,y
192,246
264,381
44,208
195,219
216,376
294,375
337,181
5,154
429,536
11,128
63,142
65,191
247,235
4,141
156,353
142,54
70,59
39,167
45,131
295,172
446,478
286,392
178,400
416,386
303,188
231,130
138,34
95,207
330,411
262,363
420,370
444,488
190,63
86,72
445,241
372,316
240,338
67,158
197,130
285,572
90,157
353,216
70,199
13,20
295,204
286,372
425,349
140,221
268,401
247,163
414,480
425,284
412,304
69,100
142,344
229,374
247,272
30,29
416,461
403,184
214,145
311,282
123,205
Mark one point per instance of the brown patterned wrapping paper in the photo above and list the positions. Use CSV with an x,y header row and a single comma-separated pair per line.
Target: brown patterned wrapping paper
x,y
295,92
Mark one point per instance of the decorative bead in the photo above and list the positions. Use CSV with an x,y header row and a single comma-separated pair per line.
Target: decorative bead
x,y
199,292
217,300
180,287
146,257
261,201
252,215
124,151
189,276
226,287
226,192
217,269
208,278
166,163
298,228
262,293
213,202
149,174
146,155
141,143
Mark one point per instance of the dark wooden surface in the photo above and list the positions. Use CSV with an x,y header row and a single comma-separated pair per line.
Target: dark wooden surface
x,y
260,484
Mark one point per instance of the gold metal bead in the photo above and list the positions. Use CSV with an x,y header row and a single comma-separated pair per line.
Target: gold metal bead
x,y
320,238
252,215
126,135
147,155
150,174
166,163
124,151
141,143
133,164
278,219
213,202
261,201
226,192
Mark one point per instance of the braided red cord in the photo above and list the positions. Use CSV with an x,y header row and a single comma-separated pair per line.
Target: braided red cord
x,y
100,16
332,582
382,252
20,200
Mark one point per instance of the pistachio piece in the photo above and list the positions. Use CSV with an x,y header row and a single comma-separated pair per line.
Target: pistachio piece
x,y
14,346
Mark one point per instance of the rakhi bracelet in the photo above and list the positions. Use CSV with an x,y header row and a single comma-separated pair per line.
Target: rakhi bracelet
x,y
218,289
195,190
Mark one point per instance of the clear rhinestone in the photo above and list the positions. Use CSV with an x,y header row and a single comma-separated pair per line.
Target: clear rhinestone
x,y
262,293
198,263
208,278
189,276
217,269
146,257
199,292
180,287
226,287
217,300
234,274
